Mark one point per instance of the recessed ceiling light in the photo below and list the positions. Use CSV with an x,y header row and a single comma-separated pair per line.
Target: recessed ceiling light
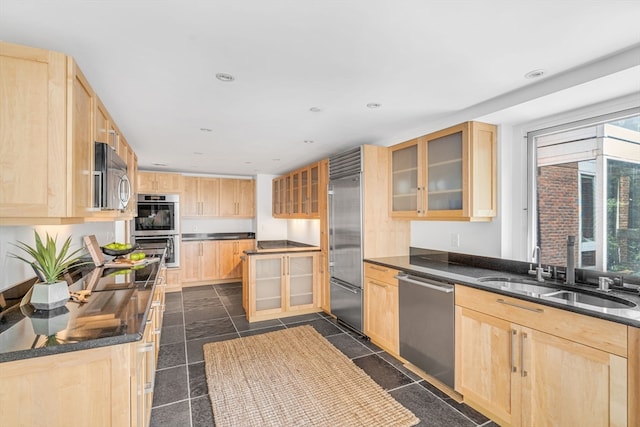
x,y
315,109
206,130
309,141
374,105
225,77
534,74
159,164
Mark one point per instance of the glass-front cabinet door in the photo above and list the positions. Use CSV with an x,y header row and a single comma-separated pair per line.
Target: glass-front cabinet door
x,y
405,180
296,194
444,156
304,191
301,282
446,175
268,283
314,176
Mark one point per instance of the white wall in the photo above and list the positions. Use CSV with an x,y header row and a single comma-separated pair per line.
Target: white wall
x,y
268,227
304,231
222,225
14,271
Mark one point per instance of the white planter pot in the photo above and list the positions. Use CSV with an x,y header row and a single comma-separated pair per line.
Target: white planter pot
x,y
51,296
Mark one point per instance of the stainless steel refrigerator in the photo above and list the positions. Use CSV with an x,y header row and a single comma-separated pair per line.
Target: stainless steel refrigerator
x,y
345,237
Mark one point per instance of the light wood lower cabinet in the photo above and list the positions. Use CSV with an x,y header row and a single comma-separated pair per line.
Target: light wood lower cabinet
x,y
199,261
525,364
230,255
174,280
381,307
280,285
213,260
105,386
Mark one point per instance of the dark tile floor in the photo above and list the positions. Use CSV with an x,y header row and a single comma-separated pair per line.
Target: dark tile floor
x,y
199,315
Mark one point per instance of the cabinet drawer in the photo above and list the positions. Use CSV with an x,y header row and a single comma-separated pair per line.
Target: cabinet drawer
x,y
380,273
601,334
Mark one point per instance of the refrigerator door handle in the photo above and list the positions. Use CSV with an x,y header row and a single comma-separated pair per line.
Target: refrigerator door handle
x,y
352,290
332,230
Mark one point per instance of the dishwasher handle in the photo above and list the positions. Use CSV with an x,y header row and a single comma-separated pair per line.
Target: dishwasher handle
x,y
431,284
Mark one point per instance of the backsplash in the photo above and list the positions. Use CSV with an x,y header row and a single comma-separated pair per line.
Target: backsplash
x,y
14,271
519,267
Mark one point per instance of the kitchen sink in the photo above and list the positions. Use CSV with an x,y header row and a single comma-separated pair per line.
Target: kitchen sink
x,y
518,285
530,287
603,301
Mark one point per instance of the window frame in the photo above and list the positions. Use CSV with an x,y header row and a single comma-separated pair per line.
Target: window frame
x,y
532,165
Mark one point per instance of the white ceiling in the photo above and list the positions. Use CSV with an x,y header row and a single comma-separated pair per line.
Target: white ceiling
x,y
153,64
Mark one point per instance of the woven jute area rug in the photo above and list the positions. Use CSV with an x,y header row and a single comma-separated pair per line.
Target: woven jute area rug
x,y
294,377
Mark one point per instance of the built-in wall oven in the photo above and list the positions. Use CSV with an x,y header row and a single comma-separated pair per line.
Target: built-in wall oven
x,y
158,225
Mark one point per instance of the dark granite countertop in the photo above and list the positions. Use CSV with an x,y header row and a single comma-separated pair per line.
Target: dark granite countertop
x,y
458,272
115,313
280,246
186,237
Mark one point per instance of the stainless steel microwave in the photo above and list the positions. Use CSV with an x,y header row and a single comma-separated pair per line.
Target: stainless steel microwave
x,y
112,189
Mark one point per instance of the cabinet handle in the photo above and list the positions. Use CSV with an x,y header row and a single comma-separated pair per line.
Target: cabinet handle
x,y
145,348
523,337
513,351
535,310
373,267
382,285
150,317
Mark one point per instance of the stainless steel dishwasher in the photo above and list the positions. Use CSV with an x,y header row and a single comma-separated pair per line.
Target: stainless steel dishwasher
x,y
427,325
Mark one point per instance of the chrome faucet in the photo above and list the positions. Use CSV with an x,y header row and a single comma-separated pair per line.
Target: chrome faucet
x,y
604,283
570,275
539,270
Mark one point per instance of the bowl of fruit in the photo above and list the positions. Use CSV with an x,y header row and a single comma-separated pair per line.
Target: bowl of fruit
x,y
117,249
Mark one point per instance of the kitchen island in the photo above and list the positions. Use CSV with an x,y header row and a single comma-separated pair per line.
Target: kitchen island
x,y
280,279
90,363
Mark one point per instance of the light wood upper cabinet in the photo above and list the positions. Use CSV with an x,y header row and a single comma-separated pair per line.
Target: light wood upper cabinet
x,y
297,194
82,142
102,125
237,197
381,307
200,197
159,183
33,161
525,364
446,175
47,139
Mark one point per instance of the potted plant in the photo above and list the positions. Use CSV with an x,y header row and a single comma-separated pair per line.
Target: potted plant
x,y
49,265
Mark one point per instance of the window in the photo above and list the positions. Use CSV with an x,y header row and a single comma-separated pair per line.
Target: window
x,y
586,183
